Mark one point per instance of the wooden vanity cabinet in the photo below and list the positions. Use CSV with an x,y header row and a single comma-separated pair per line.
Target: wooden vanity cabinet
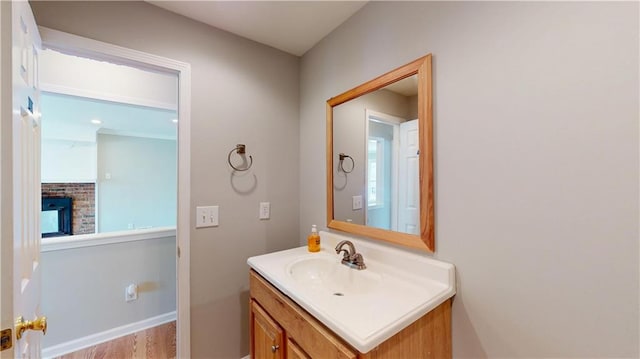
x,y
266,335
294,351
279,328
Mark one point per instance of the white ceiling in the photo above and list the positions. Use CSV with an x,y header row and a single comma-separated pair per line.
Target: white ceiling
x,y
290,26
69,118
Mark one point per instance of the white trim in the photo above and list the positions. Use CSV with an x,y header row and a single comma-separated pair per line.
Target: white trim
x,y
365,204
384,117
96,189
107,335
73,91
81,46
75,180
99,239
3,248
246,357
108,131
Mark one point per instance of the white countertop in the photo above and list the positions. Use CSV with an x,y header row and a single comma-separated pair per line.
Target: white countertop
x,y
397,288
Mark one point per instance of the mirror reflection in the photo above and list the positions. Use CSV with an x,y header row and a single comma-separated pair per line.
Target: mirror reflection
x,y
378,184
380,158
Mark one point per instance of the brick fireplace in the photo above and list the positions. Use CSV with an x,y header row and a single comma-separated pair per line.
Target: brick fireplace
x,y
84,203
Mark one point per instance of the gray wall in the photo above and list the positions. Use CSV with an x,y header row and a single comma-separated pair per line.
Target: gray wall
x,y
242,92
536,162
142,189
83,288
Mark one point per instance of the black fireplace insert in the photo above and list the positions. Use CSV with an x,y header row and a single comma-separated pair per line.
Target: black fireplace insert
x,y
56,216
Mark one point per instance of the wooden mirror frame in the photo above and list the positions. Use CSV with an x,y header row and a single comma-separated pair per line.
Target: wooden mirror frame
x,y
425,241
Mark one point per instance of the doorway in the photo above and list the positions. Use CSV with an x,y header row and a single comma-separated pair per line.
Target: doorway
x,y
109,170
392,172
85,48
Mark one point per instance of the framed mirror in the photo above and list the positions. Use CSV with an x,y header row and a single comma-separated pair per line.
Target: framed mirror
x,y
380,158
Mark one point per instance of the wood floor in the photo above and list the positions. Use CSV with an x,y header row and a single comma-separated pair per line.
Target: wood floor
x,y
154,343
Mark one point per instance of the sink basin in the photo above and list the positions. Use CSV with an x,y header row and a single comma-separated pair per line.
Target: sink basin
x,y
312,270
326,274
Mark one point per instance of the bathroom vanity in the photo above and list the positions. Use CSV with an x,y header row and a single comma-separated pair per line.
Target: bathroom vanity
x,y
310,305
378,301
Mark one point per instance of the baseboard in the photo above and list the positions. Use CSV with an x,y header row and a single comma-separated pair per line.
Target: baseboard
x,y
94,339
247,357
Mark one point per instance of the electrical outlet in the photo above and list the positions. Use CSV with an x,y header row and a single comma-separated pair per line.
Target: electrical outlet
x,y
206,216
265,210
131,292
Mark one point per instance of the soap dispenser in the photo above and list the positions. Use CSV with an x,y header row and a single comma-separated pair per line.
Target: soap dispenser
x,y
313,241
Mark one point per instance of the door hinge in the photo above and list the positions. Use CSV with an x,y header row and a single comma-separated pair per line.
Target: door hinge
x,y
178,252
6,341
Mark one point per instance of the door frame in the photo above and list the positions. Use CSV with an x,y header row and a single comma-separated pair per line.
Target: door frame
x,y
6,198
81,46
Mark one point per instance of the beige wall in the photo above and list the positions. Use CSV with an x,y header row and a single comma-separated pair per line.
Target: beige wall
x,y
536,162
242,92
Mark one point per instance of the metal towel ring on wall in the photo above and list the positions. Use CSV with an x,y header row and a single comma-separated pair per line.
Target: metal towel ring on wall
x,y
240,150
341,164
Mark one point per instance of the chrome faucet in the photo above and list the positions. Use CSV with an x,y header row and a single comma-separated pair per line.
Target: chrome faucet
x,y
350,257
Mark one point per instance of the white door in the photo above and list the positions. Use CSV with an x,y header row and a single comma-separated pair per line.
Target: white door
x,y
26,181
408,179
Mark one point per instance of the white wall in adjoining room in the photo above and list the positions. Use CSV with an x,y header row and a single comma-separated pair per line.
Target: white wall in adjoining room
x,y
536,162
137,183
65,161
83,289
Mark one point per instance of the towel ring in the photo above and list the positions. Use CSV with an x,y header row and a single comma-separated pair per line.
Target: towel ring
x,y
341,164
240,150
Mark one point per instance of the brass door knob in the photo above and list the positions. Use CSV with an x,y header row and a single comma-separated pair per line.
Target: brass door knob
x,y
22,325
274,348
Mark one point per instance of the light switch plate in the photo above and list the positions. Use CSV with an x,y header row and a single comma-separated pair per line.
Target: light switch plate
x,y
265,210
357,202
213,216
206,216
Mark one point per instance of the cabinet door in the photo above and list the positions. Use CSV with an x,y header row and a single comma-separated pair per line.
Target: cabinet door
x,y
266,335
294,351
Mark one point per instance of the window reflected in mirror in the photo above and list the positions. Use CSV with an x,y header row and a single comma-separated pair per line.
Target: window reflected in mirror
x,y
375,177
